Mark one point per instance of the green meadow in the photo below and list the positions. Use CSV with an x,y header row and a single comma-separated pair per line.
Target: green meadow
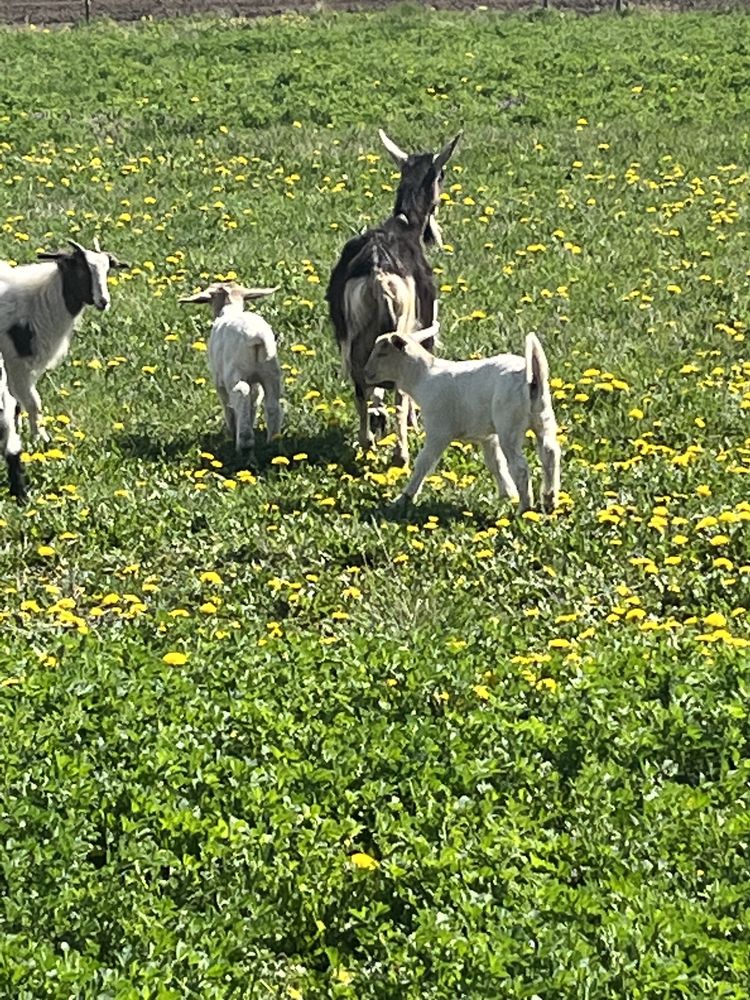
x,y
261,738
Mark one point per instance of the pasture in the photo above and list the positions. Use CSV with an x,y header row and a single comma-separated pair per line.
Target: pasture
x,y
262,740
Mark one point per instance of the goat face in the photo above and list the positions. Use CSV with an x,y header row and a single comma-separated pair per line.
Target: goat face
x,y
384,363
421,184
386,357
84,274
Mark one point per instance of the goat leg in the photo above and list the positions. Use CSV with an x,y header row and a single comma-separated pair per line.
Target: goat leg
x,y
401,451
425,462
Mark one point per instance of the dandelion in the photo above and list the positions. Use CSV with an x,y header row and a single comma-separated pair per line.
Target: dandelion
x,y
364,861
175,659
715,620
559,643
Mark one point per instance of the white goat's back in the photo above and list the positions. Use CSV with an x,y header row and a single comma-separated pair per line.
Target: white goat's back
x,y
242,346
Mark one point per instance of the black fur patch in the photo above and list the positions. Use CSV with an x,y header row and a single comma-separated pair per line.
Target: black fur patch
x,y
22,337
76,282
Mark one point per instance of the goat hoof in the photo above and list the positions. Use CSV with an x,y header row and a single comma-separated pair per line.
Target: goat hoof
x,y
399,460
549,503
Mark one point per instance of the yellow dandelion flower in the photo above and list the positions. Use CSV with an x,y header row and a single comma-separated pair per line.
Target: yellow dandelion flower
x,y
175,659
715,620
364,861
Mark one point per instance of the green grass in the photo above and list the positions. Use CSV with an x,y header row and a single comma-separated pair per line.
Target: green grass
x,y
532,734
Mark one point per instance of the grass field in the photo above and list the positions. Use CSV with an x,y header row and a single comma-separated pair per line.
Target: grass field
x,y
261,741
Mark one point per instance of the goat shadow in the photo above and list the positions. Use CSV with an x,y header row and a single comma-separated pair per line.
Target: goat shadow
x,y
330,446
426,509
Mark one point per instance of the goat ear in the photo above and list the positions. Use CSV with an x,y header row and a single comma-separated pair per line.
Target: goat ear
x,y
51,254
445,153
116,264
198,297
398,342
398,155
258,293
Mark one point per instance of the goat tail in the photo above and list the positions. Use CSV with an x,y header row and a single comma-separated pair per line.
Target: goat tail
x,y
537,369
242,387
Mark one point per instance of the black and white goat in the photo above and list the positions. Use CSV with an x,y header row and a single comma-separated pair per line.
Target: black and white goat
x,y
39,306
10,442
383,281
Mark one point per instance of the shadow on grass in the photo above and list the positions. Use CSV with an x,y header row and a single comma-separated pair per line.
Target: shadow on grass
x,y
422,511
329,447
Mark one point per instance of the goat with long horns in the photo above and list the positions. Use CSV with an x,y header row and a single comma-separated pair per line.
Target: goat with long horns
x,y
383,282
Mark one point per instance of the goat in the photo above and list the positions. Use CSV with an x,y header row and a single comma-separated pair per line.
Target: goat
x,y
493,401
383,281
243,361
10,442
39,306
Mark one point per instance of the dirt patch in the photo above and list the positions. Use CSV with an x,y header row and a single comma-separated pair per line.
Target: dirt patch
x,y
73,11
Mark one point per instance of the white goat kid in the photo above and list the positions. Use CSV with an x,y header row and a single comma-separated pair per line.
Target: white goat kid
x,y
243,360
39,306
493,401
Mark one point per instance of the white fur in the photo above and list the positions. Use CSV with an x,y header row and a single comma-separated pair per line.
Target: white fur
x,y
32,294
244,363
493,401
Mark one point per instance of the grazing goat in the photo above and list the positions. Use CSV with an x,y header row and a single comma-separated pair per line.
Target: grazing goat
x,y
10,442
493,401
243,361
383,281
39,306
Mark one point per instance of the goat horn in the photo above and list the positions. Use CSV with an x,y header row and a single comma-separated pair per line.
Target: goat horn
x,y
77,246
399,156
446,152
97,247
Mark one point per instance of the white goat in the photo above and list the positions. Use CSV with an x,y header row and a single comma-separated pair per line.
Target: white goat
x,y
10,442
243,361
39,306
493,401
